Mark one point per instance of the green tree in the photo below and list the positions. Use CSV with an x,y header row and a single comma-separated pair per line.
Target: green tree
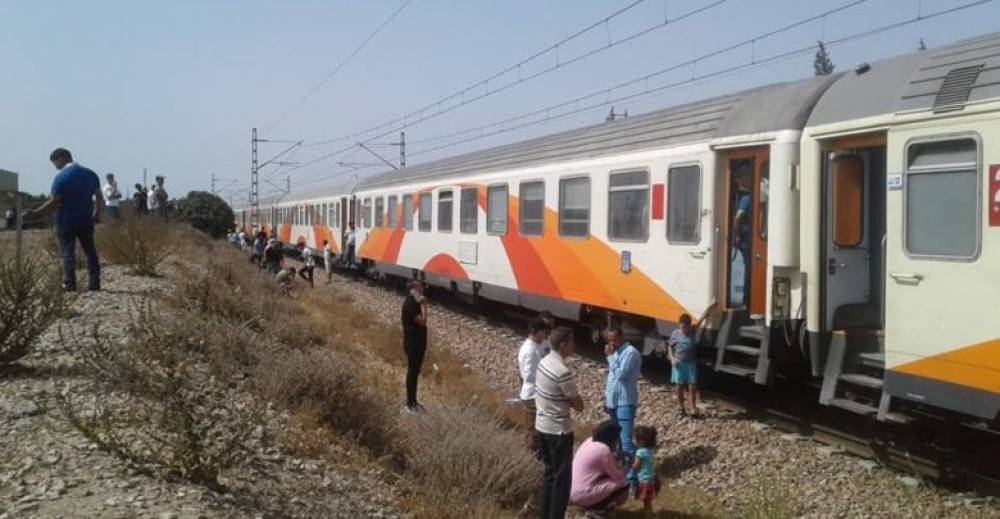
x,y
206,212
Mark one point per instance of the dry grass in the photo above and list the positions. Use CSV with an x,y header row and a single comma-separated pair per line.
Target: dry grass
x,y
31,298
140,244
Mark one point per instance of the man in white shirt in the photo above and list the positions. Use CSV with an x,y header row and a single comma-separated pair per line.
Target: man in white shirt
x,y
112,196
528,357
328,261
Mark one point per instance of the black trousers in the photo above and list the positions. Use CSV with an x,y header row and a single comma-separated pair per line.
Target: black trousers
x,y
415,351
557,455
306,273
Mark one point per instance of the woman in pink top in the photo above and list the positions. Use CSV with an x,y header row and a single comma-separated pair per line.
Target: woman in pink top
x,y
598,479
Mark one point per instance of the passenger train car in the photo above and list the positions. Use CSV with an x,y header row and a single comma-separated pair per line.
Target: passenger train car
x,y
843,228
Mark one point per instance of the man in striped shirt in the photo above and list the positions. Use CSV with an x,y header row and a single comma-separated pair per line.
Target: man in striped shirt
x,y
555,395
621,393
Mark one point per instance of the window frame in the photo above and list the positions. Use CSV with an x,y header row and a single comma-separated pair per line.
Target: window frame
x,y
975,137
378,219
590,206
392,210
834,209
649,203
506,208
667,204
407,212
475,205
425,195
451,213
520,207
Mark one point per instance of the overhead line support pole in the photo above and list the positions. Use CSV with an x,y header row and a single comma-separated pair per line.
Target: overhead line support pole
x,y
254,183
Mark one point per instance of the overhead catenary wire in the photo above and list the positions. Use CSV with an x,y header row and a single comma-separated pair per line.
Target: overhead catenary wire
x,y
339,66
753,63
488,86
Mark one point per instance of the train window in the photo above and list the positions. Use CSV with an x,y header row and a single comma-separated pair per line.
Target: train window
x,y
684,205
408,212
469,212
424,212
848,201
496,209
445,210
366,213
574,207
628,206
393,212
379,211
331,215
323,213
336,214
941,215
532,208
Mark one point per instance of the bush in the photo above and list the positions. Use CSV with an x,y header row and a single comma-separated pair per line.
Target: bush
x,y
207,213
140,244
461,449
149,404
31,298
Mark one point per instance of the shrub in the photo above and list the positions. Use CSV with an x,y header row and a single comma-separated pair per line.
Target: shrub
x,y
463,449
149,404
140,244
31,298
207,213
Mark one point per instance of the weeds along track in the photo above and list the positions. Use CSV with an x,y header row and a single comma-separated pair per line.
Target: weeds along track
x,y
915,455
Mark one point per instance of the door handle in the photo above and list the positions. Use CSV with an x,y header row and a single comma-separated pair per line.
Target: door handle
x,y
832,265
909,277
698,254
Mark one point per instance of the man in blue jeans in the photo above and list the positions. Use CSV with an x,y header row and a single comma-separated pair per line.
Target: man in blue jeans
x,y
621,394
74,193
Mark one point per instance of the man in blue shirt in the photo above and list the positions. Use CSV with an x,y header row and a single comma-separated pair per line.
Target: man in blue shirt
x,y
74,192
621,393
741,227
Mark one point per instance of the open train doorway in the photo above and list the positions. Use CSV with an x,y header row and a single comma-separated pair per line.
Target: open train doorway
x,y
748,172
854,234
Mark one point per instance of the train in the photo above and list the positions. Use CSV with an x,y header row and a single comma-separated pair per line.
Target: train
x,y
844,229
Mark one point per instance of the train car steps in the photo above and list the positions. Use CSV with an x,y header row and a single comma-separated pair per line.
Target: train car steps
x,y
860,379
745,350
753,332
854,406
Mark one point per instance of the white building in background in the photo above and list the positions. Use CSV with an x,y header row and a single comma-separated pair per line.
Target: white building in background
x,y
8,180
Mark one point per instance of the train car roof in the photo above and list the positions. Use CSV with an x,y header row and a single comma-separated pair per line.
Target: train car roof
x,y
774,107
943,79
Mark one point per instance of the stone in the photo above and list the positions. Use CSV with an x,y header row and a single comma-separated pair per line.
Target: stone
x,y
830,450
760,427
868,465
909,481
19,408
793,437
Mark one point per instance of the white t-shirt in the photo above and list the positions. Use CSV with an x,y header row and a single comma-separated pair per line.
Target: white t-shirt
x,y
350,236
327,255
307,257
112,196
528,357
151,200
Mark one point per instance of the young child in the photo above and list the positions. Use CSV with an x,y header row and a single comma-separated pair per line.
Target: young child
x,y
644,466
685,370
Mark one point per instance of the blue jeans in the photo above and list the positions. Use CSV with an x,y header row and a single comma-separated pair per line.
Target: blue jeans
x,y
624,416
68,235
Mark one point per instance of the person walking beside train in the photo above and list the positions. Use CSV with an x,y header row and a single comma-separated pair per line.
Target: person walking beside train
x,y
528,357
621,392
684,369
555,395
272,256
308,266
328,261
414,317
76,195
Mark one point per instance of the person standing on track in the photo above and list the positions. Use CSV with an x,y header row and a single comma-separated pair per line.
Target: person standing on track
x,y
74,193
414,340
528,357
555,394
621,393
328,261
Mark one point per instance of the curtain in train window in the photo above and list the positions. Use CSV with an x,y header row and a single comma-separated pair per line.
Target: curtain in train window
x,y
684,205
424,212
469,213
496,209
628,206
848,201
942,199
408,212
574,207
445,211
393,212
366,214
379,211
532,208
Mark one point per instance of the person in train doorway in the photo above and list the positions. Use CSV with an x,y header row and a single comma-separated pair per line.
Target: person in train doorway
x,y
621,392
414,317
528,357
76,194
741,227
350,238
112,196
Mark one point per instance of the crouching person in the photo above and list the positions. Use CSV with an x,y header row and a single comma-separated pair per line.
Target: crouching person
x,y
285,278
599,483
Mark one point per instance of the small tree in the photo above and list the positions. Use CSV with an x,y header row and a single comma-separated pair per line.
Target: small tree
x,y
30,300
207,213
822,63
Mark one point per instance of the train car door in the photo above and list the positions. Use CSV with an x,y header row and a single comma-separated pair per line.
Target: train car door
x,y
747,177
853,231
344,211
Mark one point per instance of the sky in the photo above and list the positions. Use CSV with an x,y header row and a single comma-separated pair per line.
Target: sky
x,y
175,87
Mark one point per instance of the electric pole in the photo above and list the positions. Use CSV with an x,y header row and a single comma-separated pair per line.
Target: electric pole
x,y
402,149
254,183
213,183
144,184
